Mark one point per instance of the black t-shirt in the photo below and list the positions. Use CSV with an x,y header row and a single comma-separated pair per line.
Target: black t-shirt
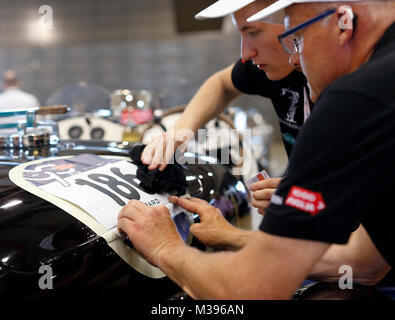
x,y
287,96
342,168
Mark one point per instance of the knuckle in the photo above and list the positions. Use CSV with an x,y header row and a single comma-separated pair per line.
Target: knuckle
x,y
266,194
262,184
256,195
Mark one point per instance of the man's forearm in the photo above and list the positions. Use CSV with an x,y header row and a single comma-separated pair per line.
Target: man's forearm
x,y
235,238
207,275
262,269
183,265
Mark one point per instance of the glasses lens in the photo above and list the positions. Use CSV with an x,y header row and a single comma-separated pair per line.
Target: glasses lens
x,y
289,44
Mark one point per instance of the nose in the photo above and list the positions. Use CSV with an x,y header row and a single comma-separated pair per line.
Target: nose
x,y
248,51
294,59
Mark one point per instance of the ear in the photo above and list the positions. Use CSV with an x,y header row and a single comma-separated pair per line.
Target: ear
x,y
346,23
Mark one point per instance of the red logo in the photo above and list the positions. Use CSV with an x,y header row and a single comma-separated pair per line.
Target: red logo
x,y
136,116
305,200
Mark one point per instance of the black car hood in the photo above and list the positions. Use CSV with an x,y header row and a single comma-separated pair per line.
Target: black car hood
x,y
34,231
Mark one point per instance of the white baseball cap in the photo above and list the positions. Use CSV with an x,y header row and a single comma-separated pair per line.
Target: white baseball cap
x,y
222,8
280,5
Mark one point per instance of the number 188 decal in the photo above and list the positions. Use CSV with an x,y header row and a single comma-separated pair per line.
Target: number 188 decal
x,y
126,187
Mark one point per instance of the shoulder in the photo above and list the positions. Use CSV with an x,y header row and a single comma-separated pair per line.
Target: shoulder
x,y
28,96
374,79
343,122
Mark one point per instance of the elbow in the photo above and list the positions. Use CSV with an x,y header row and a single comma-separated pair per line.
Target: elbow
x,y
369,277
364,274
370,272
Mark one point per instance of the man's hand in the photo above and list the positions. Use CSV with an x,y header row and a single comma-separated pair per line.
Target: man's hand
x,y
160,151
213,230
150,229
262,193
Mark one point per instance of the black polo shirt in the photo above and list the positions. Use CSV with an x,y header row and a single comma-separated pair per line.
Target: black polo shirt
x,y
342,168
287,96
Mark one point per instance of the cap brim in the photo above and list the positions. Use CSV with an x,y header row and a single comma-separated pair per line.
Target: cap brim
x,y
222,8
272,13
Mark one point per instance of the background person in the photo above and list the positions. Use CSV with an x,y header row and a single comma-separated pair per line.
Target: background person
x,y
13,97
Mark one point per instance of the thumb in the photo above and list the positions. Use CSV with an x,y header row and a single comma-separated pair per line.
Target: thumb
x,y
194,228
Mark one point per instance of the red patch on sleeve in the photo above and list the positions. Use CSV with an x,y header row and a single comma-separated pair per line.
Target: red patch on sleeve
x,y
305,200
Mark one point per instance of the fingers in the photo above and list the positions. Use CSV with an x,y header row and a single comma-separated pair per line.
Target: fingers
x,y
133,208
148,153
261,204
184,203
264,194
125,225
175,140
175,200
267,183
159,152
171,146
194,228
192,204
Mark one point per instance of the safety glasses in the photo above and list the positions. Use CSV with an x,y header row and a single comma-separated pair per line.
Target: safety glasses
x,y
290,42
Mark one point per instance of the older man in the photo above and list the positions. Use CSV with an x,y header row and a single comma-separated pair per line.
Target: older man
x,y
340,173
348,138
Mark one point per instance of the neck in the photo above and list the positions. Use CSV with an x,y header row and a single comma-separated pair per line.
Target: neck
x,y
364,46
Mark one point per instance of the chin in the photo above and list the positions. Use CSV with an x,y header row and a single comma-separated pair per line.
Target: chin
x,y
275,76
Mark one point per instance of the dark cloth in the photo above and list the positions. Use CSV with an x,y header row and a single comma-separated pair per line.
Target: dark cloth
x,y
224,204
341,171
287,96
171,180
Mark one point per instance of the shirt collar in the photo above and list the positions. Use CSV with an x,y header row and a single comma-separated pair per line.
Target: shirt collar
x,y
387,38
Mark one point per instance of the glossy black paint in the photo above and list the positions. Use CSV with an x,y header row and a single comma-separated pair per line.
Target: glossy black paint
x,y
34,232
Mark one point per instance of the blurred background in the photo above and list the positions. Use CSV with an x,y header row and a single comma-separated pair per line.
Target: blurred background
x,y
153,45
